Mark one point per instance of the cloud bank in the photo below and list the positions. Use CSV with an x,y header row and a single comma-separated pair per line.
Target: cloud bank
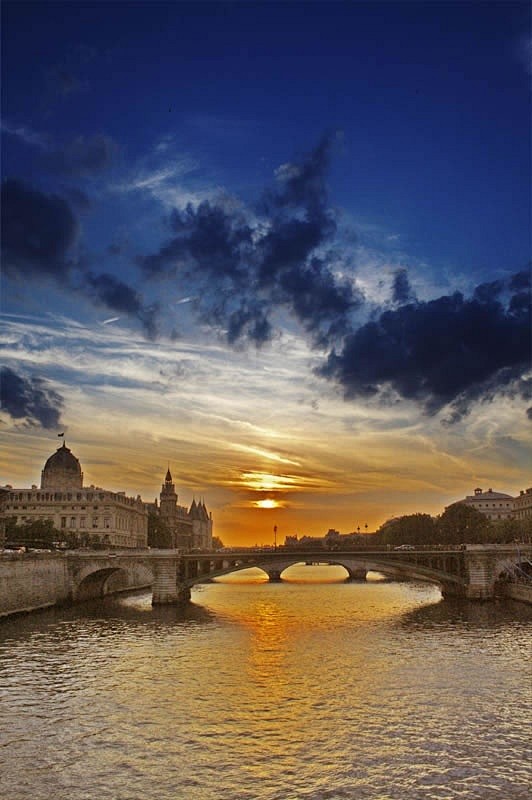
x,y
450,350
247,271
30,399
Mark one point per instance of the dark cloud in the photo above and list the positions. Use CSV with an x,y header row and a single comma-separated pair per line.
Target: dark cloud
x,y
319,300
38,233
521,280
209,239
38,230
298,218
82,156
303,184
244,269
30,399
118,296
401,289
446,351
249,322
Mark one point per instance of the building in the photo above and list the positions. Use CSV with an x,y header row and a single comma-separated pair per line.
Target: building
x,y
190,528
4,497
92,514
494,505
523,504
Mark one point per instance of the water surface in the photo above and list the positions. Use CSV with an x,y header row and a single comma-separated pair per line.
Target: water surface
x,y
266,691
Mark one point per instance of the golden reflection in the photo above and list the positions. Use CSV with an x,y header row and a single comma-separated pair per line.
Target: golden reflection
x,y
269,628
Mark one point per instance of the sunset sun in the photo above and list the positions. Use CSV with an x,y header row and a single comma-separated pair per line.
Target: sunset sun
x,y
268,503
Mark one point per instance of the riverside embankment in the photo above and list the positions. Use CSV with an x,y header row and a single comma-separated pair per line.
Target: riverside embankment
x,y
33,581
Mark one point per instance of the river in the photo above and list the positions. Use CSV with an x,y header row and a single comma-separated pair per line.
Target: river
x,y
301,690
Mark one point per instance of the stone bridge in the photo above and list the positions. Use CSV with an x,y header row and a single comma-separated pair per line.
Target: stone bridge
x,y
472,571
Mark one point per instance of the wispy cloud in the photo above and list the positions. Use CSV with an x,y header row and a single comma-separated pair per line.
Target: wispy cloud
x,y
25,134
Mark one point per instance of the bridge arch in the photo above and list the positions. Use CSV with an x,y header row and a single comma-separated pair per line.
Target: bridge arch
x,y
97,578
94,584
355,566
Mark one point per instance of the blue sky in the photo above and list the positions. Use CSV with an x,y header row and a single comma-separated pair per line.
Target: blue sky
x,y
271,244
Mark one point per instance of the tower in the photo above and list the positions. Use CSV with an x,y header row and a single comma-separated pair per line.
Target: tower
x,y
168,503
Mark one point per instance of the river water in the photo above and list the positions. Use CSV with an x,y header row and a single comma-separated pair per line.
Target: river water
x,y
259,691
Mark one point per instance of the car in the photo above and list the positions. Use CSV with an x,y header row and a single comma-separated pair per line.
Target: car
x,y
405,547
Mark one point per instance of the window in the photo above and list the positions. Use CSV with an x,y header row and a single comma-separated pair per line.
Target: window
x,y
72,522
82,522
63,522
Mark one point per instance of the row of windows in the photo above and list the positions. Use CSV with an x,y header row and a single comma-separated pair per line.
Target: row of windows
x,y
83,522
494,505
94,521
20,497
51,496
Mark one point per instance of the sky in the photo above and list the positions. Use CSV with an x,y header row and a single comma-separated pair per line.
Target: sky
x,y
280,248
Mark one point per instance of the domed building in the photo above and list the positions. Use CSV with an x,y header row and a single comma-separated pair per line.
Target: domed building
x,y
62,471
85,515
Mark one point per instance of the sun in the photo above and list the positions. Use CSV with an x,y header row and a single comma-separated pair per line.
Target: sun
x,y
268,503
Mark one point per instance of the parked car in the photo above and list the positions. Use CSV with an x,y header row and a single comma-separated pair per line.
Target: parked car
x,y
405,547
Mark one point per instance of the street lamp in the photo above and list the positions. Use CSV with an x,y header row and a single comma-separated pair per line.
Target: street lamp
x,y
275,537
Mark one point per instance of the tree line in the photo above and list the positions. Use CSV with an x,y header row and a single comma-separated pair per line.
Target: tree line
x,y
459,524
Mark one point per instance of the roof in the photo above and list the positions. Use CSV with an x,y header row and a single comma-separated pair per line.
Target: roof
x,y
63,458
489,495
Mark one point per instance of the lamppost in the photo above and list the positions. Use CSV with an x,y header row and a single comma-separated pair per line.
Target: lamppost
x,y
275,537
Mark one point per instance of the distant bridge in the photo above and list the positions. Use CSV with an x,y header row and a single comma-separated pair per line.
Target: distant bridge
x,y
472,572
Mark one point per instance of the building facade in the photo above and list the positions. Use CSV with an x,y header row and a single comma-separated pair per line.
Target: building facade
x,y
494,505
93,514
191,528
523,504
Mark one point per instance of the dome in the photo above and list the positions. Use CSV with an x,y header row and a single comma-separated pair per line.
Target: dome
x,y
62,471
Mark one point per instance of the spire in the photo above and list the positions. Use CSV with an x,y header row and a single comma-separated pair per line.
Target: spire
x,y
168,478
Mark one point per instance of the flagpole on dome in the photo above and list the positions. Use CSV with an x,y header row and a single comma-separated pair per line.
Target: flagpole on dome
x,y
63,435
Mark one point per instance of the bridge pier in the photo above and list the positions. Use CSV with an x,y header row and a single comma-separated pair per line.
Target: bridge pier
x,y
481,576
274,576
164,588
358,574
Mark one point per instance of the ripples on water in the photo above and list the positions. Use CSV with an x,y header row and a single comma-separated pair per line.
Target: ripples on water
x,y
264,691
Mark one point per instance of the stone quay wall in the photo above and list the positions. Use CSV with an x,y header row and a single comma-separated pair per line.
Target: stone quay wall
x,y
29,581
518,591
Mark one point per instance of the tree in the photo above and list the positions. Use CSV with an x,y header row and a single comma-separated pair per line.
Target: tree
x,y
38,533
217,543
511,530
159,534
461,523
409,529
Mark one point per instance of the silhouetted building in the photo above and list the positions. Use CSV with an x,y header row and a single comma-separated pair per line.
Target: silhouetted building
x,y
190,528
